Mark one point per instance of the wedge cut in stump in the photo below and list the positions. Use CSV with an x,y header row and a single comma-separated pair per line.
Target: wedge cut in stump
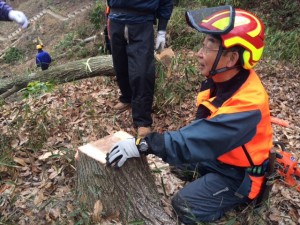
x,y
127,194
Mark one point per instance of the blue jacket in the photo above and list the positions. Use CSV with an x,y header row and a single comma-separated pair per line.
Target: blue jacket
x,y
4,10
140,11
43,59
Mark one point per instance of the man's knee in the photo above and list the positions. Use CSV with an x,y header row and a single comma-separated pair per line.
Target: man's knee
x,y
182,210
189,214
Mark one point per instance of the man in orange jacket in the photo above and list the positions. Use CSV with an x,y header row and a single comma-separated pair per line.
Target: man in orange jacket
x,y
229,142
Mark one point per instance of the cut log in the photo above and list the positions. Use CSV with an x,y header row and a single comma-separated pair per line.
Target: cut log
x,y
75,70
127,194
166,57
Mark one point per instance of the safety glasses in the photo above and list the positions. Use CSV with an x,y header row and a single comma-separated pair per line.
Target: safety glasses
x,y
216,20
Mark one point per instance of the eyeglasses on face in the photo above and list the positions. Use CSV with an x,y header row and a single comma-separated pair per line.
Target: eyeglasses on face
x,y
206,49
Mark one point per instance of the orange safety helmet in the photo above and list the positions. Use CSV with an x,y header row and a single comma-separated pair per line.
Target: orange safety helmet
x,y
236,27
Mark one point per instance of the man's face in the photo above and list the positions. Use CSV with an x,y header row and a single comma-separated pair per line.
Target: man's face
x,y
207,54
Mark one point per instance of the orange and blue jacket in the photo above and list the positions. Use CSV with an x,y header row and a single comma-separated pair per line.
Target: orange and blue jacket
x,y
232,131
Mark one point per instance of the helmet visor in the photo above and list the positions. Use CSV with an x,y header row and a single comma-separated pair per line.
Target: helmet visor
x,y
216,20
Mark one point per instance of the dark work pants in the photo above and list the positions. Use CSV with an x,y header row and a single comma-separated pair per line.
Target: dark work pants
x,y
207,198
45,67
133,59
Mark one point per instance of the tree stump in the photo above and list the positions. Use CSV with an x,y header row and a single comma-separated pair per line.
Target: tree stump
x,y
127,194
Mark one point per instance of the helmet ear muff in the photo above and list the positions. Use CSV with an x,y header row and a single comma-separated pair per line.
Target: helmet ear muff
x,y
246,57
241,53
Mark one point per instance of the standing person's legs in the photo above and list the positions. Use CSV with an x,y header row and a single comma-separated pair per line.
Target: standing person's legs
x,y
206,199
44,67
120,61
141,69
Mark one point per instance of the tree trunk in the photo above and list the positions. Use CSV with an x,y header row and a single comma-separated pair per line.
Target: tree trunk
x,y
128,194
75,70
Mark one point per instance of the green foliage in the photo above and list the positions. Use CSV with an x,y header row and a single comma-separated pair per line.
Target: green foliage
x,y
5,151
13,55
285,15
97,17
173,90
84,31
236,3
282,39
83,53
189,4
37,88
283,45
181,35
2,102
80,215
66,43
282,25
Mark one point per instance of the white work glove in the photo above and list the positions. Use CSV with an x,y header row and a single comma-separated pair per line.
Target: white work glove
x,y
18,17
122,151
160,40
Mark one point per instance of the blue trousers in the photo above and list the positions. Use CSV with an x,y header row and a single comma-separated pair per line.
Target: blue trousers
x,y
207,198
132,48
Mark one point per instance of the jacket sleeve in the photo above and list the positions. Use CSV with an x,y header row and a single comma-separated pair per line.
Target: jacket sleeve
x,y
164,13
206,139
4,10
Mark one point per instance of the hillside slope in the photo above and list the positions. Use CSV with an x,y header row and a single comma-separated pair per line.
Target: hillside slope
x,y
57,24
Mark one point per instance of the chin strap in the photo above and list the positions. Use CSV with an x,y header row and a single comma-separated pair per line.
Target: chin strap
x,y
215,71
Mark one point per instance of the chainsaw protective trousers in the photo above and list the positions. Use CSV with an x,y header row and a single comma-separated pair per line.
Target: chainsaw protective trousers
x,y
207,198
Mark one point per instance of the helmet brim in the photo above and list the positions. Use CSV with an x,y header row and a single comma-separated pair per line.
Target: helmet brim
x,y
215,20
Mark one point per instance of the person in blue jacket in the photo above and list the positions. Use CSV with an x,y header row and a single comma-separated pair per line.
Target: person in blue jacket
x,y
43,59
8,14
132,45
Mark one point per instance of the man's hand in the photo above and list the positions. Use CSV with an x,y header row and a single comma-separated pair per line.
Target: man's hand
x,y
122,151
160,40
18,17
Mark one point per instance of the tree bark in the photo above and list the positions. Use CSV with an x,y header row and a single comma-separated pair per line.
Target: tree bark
x,y
128,194
75,70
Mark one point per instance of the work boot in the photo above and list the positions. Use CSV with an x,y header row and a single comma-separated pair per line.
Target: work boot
x,y
120,106
143,131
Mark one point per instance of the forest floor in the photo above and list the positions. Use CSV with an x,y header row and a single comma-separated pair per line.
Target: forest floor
x,y
44,132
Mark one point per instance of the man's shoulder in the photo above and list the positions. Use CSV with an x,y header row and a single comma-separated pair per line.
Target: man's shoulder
x,y
45,53
42,53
